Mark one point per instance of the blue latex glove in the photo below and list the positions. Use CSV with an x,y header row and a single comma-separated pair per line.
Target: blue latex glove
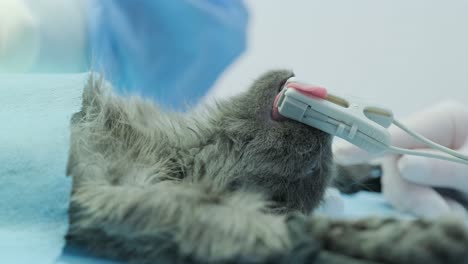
x,y
170,51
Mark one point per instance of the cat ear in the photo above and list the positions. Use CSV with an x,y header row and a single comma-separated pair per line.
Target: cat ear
x,y
94,93
90,102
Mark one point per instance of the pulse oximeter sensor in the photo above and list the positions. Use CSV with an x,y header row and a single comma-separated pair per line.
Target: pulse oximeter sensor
x,y
353,120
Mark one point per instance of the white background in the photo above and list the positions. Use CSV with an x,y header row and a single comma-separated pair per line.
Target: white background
x,y
405,54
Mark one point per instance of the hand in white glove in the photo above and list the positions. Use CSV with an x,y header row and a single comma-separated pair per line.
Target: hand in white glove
x,y
408,181
19,39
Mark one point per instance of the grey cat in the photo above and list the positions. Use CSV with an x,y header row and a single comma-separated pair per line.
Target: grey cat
x,y
226,184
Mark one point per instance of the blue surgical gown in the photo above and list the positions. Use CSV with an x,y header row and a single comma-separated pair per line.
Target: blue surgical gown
x,y
171,51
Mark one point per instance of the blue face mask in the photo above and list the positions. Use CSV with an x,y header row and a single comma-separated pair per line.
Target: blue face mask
x,y
169,51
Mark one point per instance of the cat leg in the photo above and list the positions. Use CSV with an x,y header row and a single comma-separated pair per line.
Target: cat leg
x,y
354,178
394,241
298,228
141,223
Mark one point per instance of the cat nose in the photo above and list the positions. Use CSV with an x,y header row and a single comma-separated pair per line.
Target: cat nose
x,y
275,112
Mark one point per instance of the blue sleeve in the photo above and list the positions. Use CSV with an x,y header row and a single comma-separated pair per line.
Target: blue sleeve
x,y
169,51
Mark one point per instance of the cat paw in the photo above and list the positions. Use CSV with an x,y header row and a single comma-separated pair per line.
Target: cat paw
x,y
440,241
305,249
395,241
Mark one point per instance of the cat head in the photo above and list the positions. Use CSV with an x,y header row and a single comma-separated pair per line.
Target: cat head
x,y
248,118
254,112
292,159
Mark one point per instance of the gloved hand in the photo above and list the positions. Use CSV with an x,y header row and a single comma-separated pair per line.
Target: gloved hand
x,y
170,51
18,36
408,181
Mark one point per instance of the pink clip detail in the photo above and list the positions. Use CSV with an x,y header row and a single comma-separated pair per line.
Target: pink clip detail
x,y
309,90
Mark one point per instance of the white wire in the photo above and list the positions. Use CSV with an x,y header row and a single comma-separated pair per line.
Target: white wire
x,y
429,142
426,154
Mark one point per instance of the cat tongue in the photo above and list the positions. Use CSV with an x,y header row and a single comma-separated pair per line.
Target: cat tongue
x,y
310,90
307,89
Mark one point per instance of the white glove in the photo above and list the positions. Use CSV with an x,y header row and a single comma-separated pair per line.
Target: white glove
x,y
19,38
407,181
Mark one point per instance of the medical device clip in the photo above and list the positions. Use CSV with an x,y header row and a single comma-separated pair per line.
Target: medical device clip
x,y
359,123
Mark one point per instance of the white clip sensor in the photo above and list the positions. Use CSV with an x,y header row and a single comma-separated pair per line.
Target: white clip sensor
x,y
359,123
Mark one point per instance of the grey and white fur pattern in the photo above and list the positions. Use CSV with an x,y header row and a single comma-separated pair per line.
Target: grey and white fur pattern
x,y
224,185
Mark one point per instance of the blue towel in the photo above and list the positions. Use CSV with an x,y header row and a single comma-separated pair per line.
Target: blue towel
x,y
366,204
34,191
